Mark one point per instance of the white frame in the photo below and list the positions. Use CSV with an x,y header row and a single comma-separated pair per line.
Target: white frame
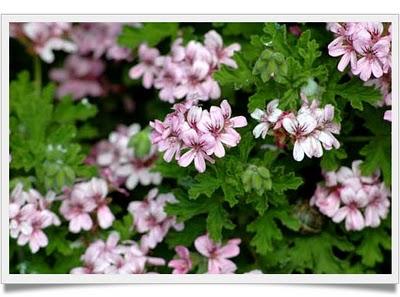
x,y
6,277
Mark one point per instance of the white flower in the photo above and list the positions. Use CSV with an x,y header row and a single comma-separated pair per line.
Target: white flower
x,y
266,118
306,142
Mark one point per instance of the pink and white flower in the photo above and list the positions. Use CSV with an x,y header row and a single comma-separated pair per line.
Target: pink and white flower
x,y
150,218
147,67
29,214
119,164
48,37
218,254
193,134
267,118
80,77
362,201
200,148
187,71
214,43
364,46
183,263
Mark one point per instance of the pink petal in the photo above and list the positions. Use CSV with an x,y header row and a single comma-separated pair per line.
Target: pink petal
x,y
136,71
204,245
199,162
105,217
187,158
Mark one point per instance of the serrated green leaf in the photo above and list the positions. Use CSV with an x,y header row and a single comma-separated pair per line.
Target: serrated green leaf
x,y
204,184
218,219
357,93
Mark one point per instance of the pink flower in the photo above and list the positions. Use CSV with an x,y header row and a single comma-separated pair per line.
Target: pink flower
x,y
353,200
98,39
217,254
328,202
36,238
199,132
167,136
47,37
98,190
200,147
221,55
218,124
378,205
195,82
343,45
29,214
118,162
364,46
80,77
183,264
371,62
150,218
76,208
301,129
186,72
147,66
167,80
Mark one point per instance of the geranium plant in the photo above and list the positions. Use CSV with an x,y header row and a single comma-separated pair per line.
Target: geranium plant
x,y
200,148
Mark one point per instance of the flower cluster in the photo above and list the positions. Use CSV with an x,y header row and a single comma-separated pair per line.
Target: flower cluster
x,y
29,214
362,201
44,38
197,133
119,163
83,199
150,218
112,257
98,39
187,70
79,77
311,129
366,46
217,256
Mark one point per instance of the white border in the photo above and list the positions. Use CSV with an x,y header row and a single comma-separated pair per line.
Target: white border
x,y
6,277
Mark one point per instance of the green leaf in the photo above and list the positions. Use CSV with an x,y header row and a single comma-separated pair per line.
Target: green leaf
x,y
282,181
357,93
124,227
331,159
218,219
270,65
205,184
170,170
316,253
150,33
267,231
186,209
141,143
68,111
370,247
193,229
58,241
32,107
246,144
308,49
238,78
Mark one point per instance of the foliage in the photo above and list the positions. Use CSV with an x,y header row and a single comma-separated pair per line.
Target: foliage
x,y
253,193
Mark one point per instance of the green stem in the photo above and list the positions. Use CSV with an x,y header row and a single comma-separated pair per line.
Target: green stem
x,y
357,139
37,72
